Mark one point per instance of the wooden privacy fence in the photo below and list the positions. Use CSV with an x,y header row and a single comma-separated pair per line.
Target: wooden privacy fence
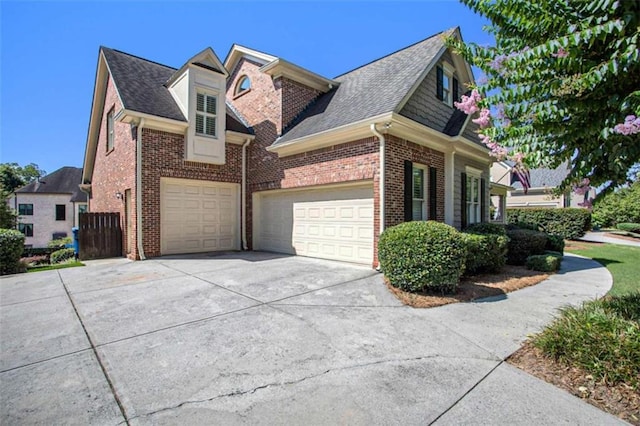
x,y
99,235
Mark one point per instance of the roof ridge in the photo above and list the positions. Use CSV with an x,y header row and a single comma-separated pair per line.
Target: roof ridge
x,y
393,53
138,57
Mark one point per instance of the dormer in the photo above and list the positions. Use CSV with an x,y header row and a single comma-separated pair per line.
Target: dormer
x,y
198,88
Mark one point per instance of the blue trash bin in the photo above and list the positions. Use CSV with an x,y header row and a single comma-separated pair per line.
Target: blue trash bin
x,y
76,242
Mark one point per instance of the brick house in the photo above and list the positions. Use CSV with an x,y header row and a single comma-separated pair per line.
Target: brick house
x,y
259,153
48,207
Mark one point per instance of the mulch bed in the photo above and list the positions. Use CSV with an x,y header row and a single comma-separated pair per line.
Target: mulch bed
x,y
474,287
621,400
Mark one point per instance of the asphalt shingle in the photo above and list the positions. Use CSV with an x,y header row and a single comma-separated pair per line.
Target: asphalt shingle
x,y
141,87
63,181
367,91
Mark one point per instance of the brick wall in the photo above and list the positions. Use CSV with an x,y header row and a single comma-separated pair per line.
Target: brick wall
x,y
397,151
114,171
163,156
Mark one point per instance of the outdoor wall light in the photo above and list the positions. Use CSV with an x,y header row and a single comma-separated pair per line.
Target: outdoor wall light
x,y
119,195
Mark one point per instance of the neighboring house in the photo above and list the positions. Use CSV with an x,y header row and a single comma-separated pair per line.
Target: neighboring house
x,y
543,182
259,153
48,207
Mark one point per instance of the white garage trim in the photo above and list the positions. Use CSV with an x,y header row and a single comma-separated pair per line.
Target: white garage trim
x,y
333,222
198,216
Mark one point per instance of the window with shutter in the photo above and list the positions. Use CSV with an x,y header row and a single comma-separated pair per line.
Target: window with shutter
x,y
418,211
206,107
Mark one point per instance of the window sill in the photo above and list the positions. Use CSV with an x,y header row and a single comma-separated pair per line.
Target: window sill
x,y
109,151
238,95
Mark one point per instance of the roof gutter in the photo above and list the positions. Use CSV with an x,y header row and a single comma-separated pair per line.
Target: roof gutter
x,y
141,124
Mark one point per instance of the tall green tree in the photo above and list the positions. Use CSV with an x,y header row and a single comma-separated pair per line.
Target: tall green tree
x,y
13,176
562,83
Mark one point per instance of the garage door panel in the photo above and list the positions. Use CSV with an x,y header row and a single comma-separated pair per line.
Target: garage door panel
x,y
198,216
332,224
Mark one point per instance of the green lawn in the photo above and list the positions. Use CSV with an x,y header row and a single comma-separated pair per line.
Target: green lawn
x,y
622,261
57,266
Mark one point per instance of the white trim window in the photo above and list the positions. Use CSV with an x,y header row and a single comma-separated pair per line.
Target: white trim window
x,y
206,114
473,198
419,203
110,130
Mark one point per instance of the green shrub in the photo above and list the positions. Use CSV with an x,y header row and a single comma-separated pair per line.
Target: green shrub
x,y
60,242
599,337
61,255
486,228
524,243
543,262
629,227
485,253
11,245
555,243
418,256
570,224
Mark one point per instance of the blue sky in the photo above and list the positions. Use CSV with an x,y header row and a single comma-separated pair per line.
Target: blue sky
x,y
49,51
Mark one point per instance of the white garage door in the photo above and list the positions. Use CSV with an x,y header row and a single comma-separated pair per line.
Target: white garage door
x,y
329,224
198,216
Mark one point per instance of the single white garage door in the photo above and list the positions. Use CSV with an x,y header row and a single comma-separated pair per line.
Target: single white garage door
x,y
333,223
198,216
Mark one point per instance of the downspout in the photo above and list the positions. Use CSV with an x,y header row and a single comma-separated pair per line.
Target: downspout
x,y
139,189
244,194
382,174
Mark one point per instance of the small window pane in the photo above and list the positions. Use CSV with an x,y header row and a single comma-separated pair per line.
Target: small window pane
x,y
25,209
61,212
418,183
418,209
245,84
211,104
200,102
200,124
26,229
211,126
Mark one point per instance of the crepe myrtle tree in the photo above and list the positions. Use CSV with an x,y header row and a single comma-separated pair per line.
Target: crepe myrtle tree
x,y
562,83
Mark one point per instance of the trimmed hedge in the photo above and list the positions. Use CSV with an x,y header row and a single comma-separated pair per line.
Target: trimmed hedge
x,y
629,227
418,256
61,255
524,243
543,262
555,243
11,245
485,252
486,228
568,223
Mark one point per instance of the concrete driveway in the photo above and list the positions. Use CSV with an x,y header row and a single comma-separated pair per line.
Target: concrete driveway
x,y
259,338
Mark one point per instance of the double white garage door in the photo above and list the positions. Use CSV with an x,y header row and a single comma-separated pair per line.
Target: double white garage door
x,y
333,223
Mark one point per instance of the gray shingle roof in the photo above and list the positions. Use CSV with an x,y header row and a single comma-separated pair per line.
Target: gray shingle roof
x,y
544,177
141,86
367,91
63,181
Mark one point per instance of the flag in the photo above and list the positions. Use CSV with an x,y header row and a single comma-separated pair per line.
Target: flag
x,y
520,174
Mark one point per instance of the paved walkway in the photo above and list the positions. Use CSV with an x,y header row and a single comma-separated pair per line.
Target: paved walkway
x,y
601,237
257,338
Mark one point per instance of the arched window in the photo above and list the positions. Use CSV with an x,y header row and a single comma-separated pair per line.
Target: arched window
x,y
243,85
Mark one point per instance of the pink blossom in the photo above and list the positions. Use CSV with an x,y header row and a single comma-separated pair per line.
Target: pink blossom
x,y
484,119
631,126
469,104
518,157
561,53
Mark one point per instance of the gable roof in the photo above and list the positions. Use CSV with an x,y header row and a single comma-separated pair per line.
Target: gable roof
x,y
544,177
141,86
370,90
65,180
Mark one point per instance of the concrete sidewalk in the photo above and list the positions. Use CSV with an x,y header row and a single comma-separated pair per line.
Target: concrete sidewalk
x,y
258,338
601,237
